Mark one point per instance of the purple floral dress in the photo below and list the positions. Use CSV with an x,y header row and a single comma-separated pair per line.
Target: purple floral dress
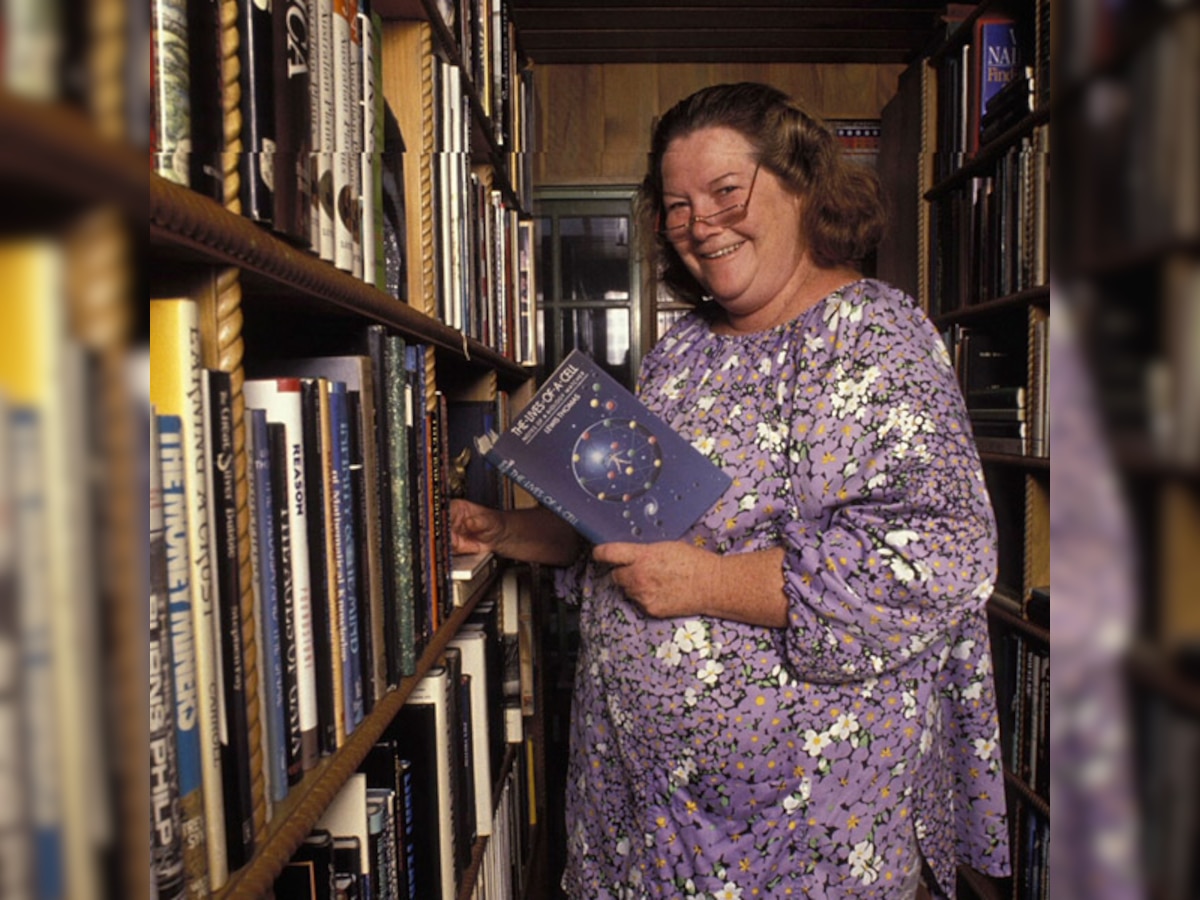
x,y
719,760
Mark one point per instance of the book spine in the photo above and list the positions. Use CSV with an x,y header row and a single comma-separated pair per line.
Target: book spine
x,y
400,426
166,851
239,805
269,625
206,75
312,10
285,597
323,187
171,119
370,92
345,552
345,93
379,439
353,159
256,77
175,389
323,598
293,126
364,486
188,711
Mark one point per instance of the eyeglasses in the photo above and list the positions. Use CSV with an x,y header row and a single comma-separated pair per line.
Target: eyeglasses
x,y
679,222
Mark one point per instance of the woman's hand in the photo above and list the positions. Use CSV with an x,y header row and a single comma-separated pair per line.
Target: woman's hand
x,y
474,528
672,578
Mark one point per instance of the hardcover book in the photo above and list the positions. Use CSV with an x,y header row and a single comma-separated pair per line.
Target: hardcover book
x,y
588,450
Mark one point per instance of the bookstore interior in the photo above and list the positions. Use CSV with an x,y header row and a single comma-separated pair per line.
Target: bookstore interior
x,y
389,240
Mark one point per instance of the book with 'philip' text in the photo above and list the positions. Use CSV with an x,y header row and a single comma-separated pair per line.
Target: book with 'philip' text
x,y
590,451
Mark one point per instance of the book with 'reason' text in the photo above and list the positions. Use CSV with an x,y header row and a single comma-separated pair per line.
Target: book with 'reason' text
x,y
590,451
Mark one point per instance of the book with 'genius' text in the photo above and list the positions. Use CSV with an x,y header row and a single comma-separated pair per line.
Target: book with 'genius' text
x,y
590,451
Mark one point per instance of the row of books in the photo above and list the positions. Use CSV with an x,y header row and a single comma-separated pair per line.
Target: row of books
x,y
991,236
968,78
348,464
309,151
439,780
61,614
484,248
1023,686
1030,843
1005,389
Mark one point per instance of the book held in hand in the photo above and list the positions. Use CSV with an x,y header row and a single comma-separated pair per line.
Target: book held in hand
x,y
587,449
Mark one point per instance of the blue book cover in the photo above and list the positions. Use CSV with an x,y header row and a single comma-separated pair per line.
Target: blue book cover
x,y
259,450
590,451
347,575
998,60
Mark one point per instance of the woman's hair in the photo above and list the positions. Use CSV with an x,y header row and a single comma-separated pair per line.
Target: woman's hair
x,y
843,204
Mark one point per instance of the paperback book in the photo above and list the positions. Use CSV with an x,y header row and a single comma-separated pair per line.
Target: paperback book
x,y
589,450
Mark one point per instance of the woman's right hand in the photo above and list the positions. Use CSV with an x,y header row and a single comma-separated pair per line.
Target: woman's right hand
x,y
474,528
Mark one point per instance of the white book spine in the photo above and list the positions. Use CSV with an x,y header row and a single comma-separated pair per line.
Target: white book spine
x,y
433,689
324,186
345,94
473,645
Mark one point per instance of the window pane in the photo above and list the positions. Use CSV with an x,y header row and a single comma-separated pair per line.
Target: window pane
x,y
595,258
544,230
602,334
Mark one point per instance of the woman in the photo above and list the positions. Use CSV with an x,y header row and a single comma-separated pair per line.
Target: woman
x,y
795,699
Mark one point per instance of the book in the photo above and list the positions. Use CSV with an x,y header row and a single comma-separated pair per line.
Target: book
x,y
171,118
235,731
472,645
268,623
293,126
180,601
256,80
590,451
166,850
308,875
469,572
175,390
346,820
996,58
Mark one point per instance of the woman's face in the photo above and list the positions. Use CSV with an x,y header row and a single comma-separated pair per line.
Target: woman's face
x,y
752,268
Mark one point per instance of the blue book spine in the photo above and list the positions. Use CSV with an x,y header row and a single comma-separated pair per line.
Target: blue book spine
x,y
347,579
183,653
268,599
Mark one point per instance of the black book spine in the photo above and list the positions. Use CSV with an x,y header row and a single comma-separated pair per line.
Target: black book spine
x,y
381,494
293,125
235,757
358,515
416,736
418,499
206,85
322,603
256,78
281,523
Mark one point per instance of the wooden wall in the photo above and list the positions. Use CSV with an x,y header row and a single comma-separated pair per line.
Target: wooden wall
x,y
594,122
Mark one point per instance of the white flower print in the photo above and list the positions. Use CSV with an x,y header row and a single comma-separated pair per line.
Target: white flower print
x,y
846,725
706,403
748,502
926,740
963,649
973,691
623,847
850,395
705,444
690,697
901,537
902,570
850,468
673,387
983,590
779,673
764,366
837,309
710,671
815,742
984,747
877,481
813,343
668,652
733,362
730,892
864,864
690,636
771,437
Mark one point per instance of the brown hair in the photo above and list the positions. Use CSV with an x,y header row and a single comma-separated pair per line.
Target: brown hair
x,y
843,211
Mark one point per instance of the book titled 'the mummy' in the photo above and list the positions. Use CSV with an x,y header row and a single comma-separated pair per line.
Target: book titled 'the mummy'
x,y
590,451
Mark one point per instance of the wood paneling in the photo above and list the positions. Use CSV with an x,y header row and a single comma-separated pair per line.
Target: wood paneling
x,y
594,121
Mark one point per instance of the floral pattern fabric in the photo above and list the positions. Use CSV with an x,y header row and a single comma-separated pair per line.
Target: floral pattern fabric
x,y
713,759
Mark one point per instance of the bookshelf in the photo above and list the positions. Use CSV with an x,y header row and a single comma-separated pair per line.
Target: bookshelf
x,y
262,296
972,244
1129,270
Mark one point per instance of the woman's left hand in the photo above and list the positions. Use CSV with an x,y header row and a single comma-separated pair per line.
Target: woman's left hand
x,y
665,579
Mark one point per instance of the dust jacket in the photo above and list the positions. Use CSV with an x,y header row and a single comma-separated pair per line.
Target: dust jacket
x,y
590,451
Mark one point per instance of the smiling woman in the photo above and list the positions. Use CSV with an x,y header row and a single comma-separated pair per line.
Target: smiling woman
x,y
795,698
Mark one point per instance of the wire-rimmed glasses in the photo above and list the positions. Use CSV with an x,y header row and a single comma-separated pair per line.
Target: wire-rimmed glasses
x,y
722,218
